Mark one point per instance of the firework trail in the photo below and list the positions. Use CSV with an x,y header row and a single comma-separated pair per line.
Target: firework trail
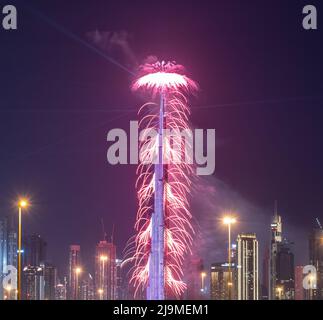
x,y
162,240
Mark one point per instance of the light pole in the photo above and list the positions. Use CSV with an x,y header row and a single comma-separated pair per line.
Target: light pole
x,y
203,275
103,259
78,270
229,221
23,203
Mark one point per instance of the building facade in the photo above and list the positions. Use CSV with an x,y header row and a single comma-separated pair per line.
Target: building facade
x,y
219,281
247,267
299,288
33,284
73,274
316,259
35,250
105,271
8,257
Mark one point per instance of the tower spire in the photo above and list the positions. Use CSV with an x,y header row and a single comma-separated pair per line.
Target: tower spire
x,y
276,208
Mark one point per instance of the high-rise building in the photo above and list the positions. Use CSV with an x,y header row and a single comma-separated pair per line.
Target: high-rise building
x,y
247,267
50,279
219,286
34,250
285,282
316,259
74,276
8,255
299,288
265,275
105,271
119,280
87,288
3,254
276,228
61,290
33,283
281,263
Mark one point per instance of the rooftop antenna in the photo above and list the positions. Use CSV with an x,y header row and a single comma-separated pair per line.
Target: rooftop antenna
x,y
103,230
276,208
319,223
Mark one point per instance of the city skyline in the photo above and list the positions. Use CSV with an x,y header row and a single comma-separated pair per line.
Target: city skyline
x,y
66,82
247,279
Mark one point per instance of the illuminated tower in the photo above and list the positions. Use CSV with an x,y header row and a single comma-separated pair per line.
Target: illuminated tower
x,y
34,250
156,290
163,218
105,271
247,267
316,259
73,277
8,254
220,278
276,239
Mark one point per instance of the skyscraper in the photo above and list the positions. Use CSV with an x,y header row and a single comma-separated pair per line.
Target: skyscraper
x,y
265,275
281,263
50,279
299,289
8,254
119,283
219,281
73,277
87,288
105,271
247,267
276,239
61,290
316,259
33,283
3,253
285,277
34,250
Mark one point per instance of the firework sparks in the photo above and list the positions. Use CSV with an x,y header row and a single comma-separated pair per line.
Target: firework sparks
x,y
167,80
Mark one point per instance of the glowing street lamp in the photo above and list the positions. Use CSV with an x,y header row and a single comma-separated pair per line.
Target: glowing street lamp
x,y
100,292
8,290
22,204
228,220
203,275
280,291
103,259
312,285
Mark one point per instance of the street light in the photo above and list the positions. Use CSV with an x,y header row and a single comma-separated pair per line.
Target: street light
x,y
8,295
78,270
228,220
103,259
279,290
312,285
203,275
22,204
100,292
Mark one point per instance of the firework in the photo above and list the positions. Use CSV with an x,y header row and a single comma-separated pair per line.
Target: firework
x,y
164,231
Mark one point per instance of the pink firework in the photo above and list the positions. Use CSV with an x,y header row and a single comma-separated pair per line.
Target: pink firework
x,y
167,80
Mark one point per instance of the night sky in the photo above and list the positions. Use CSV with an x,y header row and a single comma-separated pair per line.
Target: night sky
x,y
260,78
